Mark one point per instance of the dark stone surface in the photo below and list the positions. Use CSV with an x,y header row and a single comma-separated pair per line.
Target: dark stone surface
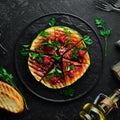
x,y
15,15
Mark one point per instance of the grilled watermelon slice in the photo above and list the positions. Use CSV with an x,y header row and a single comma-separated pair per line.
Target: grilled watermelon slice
x,y
73,71
55,78
78,53
39,68
58,46
68,38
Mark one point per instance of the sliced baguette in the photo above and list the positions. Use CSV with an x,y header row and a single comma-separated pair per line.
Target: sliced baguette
x,y
10,99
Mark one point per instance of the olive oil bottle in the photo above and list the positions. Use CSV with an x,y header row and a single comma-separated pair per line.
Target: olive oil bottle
x,y
99,110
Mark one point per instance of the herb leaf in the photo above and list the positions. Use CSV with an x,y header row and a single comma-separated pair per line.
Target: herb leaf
x,y
52,22
68,91
7,77
34,55
54,72
74,53
53,45
67,32
56,57
41,55
104,32
25,50
45,34
87,40
70,67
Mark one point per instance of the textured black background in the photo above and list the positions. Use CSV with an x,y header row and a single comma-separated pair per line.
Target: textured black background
x,y
15,15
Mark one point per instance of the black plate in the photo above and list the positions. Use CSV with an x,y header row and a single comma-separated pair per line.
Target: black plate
x,y
82,86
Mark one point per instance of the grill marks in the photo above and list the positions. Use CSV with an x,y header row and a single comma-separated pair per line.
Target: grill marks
x,y
10,100
41,71
37,69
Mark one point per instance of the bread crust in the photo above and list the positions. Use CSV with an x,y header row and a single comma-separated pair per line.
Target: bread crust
x,y
10,99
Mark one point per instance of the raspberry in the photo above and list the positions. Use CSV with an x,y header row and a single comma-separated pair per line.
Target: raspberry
x,y
82,53
54,80
71,73
62,39
47,48
47,60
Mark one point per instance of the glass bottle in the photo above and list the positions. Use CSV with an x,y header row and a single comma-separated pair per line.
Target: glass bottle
x,y
99,110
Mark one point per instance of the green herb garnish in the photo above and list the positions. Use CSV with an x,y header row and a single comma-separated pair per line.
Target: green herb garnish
x,y
25,50
87,40
68,91
75,53
51,44
53,72
7,77
34,55
104,32
41,55
45,34
56,57
52,22
70,67
67,32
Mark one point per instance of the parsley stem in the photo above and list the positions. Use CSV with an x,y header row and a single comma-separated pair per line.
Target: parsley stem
x,y
106,45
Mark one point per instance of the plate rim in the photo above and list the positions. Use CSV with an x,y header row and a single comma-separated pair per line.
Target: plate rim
x,y
50,99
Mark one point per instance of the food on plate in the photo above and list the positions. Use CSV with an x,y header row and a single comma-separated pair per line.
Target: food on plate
x,y
10,99
58,57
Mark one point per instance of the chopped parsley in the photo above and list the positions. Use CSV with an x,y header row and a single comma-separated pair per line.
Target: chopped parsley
x,y
68,91
70,67
52,22
75,54
51,44
41,55
54,72
56,57
25,50
87,40
45,34
67,32
34,55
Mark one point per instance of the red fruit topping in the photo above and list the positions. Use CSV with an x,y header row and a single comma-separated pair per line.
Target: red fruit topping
x,y
54,80
71,73
47,60
47,48
82,52
62,39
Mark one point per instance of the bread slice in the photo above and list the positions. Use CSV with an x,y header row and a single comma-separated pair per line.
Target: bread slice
x,y
10,99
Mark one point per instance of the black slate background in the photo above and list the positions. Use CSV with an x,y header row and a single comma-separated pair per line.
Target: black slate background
x,y
15,15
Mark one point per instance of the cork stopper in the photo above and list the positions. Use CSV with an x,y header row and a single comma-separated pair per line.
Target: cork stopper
x,y
110,103
118,92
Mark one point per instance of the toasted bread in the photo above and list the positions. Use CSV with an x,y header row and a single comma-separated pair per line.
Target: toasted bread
x,y
10,99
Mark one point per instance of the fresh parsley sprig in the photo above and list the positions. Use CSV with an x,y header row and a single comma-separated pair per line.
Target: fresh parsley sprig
x,y
25,50
51,44
45,34
104,32
41,55
68,91
52,22
8,77
56,57
54,72
87,40
70,67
